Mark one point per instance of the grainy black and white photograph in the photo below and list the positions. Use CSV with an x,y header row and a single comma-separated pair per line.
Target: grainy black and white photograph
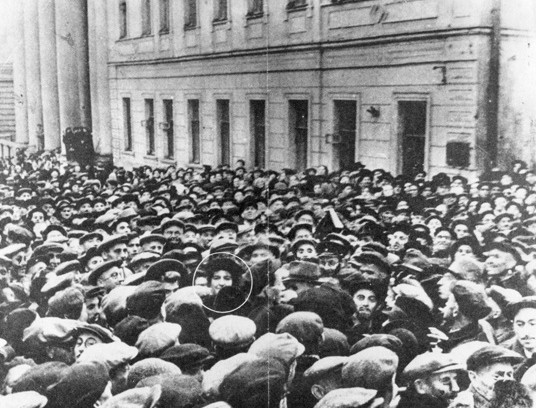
x,y
268,203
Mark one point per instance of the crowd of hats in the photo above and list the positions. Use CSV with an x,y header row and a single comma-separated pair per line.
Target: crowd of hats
x,y
243,287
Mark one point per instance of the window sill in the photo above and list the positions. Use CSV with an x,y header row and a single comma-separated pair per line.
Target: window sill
x,y
128,153
168,160
254,16
190,28
164,32
220,22
150,157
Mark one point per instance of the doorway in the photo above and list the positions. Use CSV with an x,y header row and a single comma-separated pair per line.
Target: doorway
x,y
344,127
298,133
412,119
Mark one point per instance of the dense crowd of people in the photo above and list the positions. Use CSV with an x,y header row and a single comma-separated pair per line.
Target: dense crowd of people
x,y
242,287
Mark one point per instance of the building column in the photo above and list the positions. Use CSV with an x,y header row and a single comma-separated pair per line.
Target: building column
x,y
33,74
49,74
19,76
66,54
99,83
80,16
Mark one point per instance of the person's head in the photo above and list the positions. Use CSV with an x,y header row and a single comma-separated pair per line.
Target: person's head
x,y
490,364
435,375
68,304
172,231
372,368
223,272
443,239
499,259
114,249
153,242
325,375
523,315
398,239
304,249
88,335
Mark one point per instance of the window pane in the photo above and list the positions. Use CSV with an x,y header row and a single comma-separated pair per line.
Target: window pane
x,y
146,17
127,125
149,125
221,10
122,19
168,128
164,16
255,7
193,116
190,19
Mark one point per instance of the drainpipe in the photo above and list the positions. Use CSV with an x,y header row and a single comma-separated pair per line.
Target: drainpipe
x,y
493,89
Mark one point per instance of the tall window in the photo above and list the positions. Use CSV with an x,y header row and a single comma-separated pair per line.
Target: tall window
x,y
190,18
299,129
146,28
255,7
220,10
224,129
149,125
122,19
164,16
167,126
193,129
257,112
127,124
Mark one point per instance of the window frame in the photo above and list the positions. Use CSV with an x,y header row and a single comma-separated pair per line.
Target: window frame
x,y
255,9
221,11
127,124
123,19
194,139
164,11
146,18
189,22
150,140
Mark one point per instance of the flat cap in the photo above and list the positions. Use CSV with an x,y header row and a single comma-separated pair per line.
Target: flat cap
x,y
187,356
232,331
371,368
111,241
303,271
144,239
306,327
281,346
50,330
430,363
144,397
490,355
26,399
157,270
528,302
325,366
355,397
96,273
66,267
155,339
110,355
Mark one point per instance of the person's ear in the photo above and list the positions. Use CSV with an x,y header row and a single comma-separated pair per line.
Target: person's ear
x,y
472,375
318,391
420,386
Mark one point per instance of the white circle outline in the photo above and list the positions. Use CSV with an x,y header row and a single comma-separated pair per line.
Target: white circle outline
x,y
250,285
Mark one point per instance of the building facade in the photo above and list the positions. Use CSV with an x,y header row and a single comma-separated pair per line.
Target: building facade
x,y
448,85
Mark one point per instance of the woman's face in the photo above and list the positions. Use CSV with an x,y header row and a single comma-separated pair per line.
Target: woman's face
x,y
219,280
38,217
464,251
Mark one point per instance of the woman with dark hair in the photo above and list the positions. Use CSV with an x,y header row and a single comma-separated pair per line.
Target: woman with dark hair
x,y
465,247
222,272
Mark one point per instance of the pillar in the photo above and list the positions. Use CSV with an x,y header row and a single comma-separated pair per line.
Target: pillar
x,y
66,54
33,73
80,16
19,75
49,74
99,83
